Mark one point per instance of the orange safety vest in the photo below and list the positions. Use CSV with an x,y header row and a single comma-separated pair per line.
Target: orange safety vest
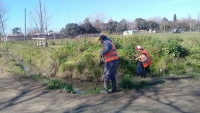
x,y
111,55
148,61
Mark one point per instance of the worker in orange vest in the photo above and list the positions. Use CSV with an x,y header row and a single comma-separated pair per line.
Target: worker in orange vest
x,y
110,57
145,59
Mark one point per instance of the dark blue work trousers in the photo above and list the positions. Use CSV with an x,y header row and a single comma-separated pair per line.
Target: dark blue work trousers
x,y
110,70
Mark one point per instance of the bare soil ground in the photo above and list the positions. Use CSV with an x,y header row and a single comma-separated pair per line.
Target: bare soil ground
x,y
19,96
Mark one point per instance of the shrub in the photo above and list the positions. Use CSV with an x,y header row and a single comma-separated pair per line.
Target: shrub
x,y
173,48
52,43
53,83
126,83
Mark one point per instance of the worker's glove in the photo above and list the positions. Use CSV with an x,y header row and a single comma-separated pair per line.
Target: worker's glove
x,y
137,59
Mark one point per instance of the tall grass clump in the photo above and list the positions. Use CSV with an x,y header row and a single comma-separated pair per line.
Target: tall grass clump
x,y
10,65
129,82
85,67
126,83
51,84
18,69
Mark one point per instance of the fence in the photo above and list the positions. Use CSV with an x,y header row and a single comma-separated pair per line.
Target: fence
x,y
56,36
20,38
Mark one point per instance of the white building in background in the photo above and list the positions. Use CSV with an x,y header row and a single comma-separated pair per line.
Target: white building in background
x,y
151,31
130,32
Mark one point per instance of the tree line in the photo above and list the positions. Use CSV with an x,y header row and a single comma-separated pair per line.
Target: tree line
x,y
114,27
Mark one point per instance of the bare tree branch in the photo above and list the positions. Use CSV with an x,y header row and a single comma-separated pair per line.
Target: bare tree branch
x,y
39,18
98,20
3,11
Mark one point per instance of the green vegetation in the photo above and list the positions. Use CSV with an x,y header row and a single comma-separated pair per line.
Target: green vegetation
x,y
126,83
129,82
93,91
18,69
53,84
172,54
10,65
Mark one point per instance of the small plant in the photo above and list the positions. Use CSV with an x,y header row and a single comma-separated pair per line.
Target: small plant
x,y
53,84
57,84
29,60
93,91
52,43
62,60
126,83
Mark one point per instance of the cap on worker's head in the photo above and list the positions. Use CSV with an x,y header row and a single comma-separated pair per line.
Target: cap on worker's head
x,y
138,48
102,37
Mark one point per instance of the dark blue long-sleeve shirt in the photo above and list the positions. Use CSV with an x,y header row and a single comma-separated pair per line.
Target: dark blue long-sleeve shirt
x,y
106,46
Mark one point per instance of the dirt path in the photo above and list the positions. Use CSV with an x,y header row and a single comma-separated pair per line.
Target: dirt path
x,y
18,96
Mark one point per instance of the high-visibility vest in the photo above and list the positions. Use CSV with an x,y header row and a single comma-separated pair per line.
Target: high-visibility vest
x,y
148,61
111,55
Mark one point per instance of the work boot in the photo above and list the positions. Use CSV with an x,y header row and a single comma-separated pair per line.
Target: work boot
x,y
114,87
106,84
103,92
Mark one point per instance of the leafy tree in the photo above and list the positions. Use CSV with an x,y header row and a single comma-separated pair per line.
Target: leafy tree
x,y
164,24
175,17
152,25
122,26
164,19
72,29
16,30
82,29
183,25
111,26
141,24
87,28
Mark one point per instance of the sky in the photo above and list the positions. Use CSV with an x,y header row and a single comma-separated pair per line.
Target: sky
x,y
62,12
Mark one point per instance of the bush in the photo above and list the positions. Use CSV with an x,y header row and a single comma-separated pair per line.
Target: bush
x,y
173,48
52,43
126,83
53,83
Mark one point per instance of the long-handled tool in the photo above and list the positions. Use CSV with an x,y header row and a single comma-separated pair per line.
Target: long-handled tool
x,y
100,63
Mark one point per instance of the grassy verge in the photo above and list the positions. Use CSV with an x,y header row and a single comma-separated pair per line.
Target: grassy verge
x,y
17,70
51,84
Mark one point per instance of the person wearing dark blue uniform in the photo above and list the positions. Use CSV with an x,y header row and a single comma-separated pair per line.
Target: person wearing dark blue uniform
x,y
110,57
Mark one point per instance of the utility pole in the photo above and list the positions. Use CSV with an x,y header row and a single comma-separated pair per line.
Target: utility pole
x,y
198,22
62,35
41,18
25,28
